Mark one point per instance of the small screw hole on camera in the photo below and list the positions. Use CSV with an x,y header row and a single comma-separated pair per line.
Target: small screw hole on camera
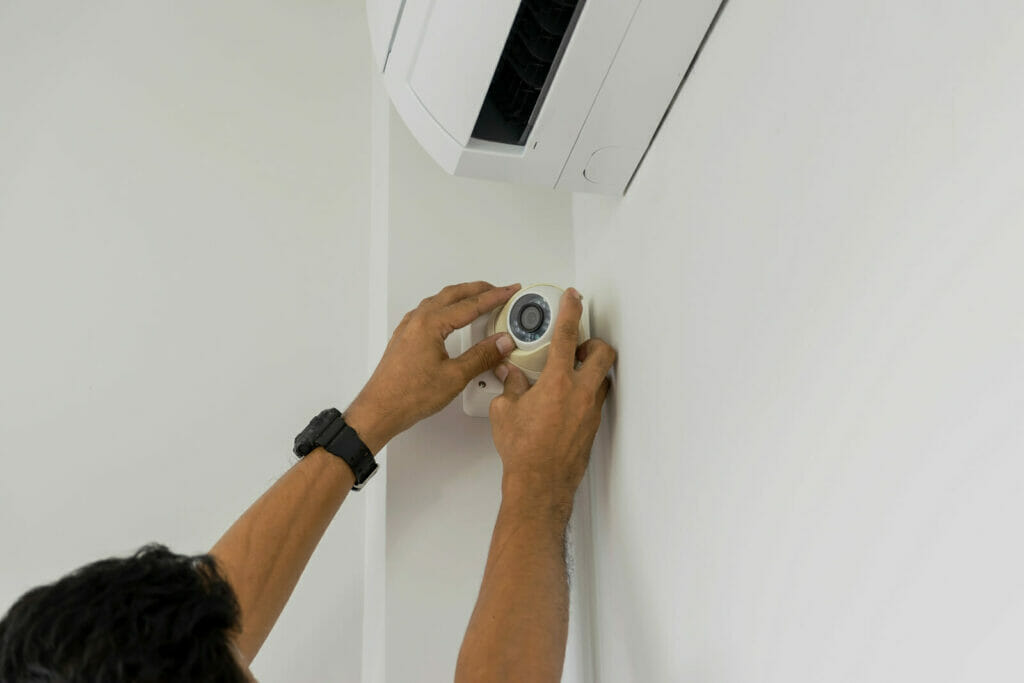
x,y
482,384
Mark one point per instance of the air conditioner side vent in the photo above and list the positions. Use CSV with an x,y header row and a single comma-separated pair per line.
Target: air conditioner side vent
x,y
540,32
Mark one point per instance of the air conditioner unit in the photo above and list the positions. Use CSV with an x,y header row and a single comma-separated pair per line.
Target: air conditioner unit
x,y
561,93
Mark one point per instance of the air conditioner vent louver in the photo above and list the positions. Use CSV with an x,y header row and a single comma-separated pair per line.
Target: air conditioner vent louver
x,y
539,32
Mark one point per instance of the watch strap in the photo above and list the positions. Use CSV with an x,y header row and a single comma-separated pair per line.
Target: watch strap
x,y
341,440
330,431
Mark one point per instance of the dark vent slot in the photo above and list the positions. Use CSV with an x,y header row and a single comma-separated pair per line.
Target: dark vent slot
x,y
538,36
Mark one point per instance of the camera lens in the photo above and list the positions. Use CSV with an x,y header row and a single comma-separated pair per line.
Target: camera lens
x,y
529,318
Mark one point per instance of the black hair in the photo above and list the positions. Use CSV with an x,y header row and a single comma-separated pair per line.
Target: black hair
x,y
155,616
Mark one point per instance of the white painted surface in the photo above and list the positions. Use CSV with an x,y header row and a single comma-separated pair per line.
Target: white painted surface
x,y
178,182
444,475
379,332
813,468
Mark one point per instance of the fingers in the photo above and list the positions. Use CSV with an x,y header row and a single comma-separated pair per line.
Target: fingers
x,y
584,349
453,293
516,383
484,355
465,310
599,357
562,354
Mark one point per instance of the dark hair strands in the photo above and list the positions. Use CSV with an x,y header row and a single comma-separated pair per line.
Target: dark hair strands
x,y
153,617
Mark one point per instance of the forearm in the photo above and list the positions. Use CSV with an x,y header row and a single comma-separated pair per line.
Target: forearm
x,y
519,627
265,551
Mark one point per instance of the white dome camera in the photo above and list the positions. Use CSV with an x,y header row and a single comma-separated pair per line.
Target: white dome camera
x,y
529,317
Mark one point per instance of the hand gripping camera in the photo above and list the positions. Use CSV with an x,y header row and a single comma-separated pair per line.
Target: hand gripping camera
x,y
529,317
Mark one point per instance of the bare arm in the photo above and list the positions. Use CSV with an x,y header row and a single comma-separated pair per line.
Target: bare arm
x,y
264,553
543,434
519,627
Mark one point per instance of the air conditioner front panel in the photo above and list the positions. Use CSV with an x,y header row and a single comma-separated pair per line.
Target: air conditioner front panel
x,y
458,51
444,149
382,16
663,38
576,83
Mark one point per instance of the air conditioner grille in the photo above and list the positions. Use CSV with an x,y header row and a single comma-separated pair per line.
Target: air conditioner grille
x,y
539,33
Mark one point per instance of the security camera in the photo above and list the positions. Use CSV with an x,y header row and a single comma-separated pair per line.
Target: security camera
x,y
529,318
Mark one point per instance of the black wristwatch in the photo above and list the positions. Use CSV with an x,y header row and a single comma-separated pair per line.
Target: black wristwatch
x,y
329,429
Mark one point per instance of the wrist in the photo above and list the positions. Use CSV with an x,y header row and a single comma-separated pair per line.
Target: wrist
x,y
369,423
328,464
536,496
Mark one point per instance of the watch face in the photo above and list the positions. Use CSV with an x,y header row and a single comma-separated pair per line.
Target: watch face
x,y
305,442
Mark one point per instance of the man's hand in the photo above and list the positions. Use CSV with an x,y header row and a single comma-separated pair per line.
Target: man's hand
x,y
416,378
544,435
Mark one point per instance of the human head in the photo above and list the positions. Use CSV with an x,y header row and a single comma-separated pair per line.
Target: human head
x,y
155,616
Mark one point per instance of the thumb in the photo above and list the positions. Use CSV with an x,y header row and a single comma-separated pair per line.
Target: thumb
x,y
484,355
516,383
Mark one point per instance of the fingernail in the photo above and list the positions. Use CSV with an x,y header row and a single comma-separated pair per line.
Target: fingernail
x,y
575,294
505,344
501,372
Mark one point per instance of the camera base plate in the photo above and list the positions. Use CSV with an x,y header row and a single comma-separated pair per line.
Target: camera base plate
x,y
481,390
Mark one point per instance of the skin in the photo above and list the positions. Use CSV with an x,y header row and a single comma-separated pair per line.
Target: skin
x,y
544,435
541,434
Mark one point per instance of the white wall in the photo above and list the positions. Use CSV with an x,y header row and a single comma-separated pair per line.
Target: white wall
x,y
443,476
183,211
812,469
